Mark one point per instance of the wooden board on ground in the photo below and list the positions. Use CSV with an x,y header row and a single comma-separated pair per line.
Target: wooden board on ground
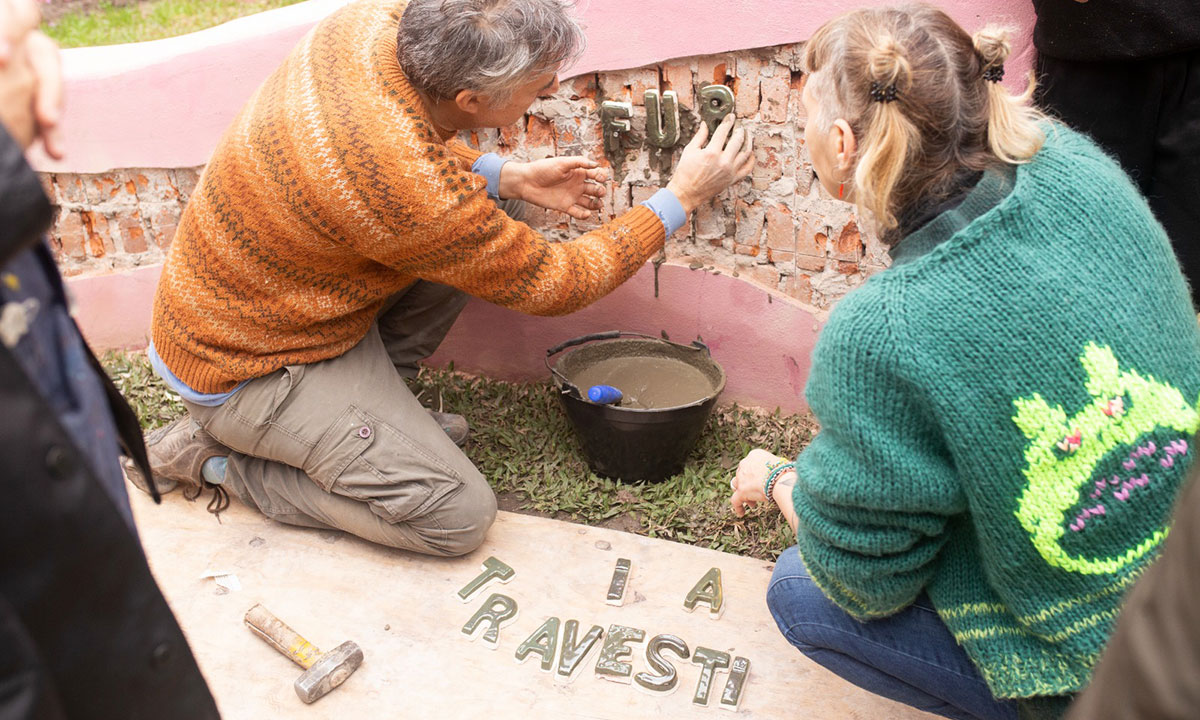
x,y
404,611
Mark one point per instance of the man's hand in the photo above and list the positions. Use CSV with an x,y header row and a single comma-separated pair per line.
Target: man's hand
x,y
567,184
750,480
30,78
704,171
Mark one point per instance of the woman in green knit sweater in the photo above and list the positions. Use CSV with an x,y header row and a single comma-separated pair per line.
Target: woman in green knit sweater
x,y
1006,412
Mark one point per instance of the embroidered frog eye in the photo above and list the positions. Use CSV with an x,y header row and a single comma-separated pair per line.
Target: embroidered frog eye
x,y
1114,408
1071,443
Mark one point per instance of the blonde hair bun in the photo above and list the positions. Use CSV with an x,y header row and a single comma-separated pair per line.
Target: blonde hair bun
x,y
992,44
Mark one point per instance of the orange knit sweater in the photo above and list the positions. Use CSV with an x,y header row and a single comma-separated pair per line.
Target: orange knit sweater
x,y
332,191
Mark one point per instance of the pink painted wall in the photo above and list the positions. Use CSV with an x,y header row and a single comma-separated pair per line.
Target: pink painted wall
x,y
762,340
165,103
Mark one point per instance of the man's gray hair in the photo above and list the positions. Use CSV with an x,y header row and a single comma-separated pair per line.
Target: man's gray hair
x,y
489,46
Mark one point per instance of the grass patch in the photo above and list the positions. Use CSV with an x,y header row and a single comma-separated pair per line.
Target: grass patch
x,y
107,24
521,441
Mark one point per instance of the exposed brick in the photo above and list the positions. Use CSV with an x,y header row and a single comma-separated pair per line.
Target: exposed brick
x,y
642,193
765,275
99,242
781,259
133,234
768,167
811,242
750,218
746,85
540,218
715,69
164,220
789,55
155,185
746,249
711,221
640,81
511,136
775,99
70,188
111,188
622,200
847,268
566,131
584,86
781,232
47,181
615,86
805,178
186,180
849,243
809,263
677,76
72,234
539,138
799,287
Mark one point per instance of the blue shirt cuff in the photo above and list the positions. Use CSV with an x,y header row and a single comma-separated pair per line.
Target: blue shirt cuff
x,y
666,206
488,165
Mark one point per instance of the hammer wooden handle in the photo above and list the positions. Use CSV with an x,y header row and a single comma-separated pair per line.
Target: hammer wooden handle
x,y
281,637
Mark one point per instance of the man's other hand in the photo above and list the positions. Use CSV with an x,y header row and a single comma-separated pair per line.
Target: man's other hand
x,y
573,185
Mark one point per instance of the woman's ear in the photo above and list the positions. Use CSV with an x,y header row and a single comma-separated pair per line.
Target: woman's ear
x,y
845,147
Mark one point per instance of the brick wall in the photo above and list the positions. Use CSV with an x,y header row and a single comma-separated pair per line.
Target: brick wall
x,y
777,228
116,220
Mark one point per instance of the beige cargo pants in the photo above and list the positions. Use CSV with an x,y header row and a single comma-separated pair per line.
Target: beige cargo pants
x,y
343,444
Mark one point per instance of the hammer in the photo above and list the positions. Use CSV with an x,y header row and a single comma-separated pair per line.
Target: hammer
x,y
322,672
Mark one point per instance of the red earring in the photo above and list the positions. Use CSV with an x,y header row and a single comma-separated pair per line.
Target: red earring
x,y
841,190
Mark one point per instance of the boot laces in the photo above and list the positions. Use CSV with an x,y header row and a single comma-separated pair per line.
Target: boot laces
x,y
218,503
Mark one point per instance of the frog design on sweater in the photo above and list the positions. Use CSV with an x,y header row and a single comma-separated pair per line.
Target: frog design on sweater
x,y
1100,483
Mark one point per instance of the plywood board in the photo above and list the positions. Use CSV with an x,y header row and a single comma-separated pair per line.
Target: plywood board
x,y
404,611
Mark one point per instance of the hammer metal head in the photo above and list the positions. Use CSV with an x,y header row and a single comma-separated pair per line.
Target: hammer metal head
x,y
329,671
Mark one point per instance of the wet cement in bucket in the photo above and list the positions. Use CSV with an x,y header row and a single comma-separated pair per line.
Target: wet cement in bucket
x,y
648,382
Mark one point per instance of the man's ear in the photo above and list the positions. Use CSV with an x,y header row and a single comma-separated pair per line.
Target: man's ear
x,y
844,144
468,101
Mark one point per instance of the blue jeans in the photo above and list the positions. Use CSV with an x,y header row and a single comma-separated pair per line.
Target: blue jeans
x,y
909,657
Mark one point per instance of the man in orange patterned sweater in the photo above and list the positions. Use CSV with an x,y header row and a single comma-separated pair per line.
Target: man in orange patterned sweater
x,y
333,239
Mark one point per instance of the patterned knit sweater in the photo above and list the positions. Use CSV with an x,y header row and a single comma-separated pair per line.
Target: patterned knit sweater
x,y
1006,416
331,191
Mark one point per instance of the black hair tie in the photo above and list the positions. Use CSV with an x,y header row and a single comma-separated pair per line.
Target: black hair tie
x,y
882,93
994,74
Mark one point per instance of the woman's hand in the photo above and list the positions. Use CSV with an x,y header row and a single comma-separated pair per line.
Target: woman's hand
x,y
750,480
572,184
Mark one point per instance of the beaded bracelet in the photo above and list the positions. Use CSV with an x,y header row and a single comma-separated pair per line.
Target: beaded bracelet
x,y
775,473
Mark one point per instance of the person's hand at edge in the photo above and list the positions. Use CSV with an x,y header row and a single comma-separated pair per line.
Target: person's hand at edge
x,y
749,485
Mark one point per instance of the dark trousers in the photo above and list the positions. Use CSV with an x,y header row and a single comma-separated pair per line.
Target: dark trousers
x,y
1147,114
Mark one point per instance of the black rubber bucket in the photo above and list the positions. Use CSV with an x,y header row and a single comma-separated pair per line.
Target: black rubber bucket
x,y
625,443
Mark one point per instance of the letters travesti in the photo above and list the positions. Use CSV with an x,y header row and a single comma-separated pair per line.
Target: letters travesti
x,y
661,678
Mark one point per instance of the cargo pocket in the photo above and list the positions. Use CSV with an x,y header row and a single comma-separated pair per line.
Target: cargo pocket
x,y
259,402
366,459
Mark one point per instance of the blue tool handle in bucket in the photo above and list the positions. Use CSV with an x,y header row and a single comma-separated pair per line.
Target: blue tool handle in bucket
x,y
604,394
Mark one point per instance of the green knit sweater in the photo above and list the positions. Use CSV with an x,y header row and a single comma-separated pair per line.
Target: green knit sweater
x,y
1006,416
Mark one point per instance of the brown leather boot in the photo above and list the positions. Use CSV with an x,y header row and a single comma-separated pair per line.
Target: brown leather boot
x,y
177,453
